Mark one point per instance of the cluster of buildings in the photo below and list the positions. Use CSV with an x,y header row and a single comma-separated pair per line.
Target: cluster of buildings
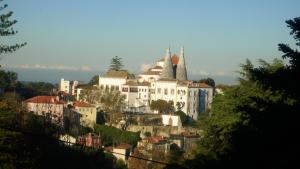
x,y
58,109
166,80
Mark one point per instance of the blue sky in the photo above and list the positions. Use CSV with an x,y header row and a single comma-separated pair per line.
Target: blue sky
x,y
78,35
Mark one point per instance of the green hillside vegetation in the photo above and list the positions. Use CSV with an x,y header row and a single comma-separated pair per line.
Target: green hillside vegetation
x,y
111,135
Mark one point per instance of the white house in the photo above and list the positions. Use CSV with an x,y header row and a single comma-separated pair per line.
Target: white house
x,y
68,86
47,106
113,80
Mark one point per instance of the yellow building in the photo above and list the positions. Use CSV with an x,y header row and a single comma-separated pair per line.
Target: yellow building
x,y
87,113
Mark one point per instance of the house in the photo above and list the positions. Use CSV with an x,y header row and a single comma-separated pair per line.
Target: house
x,y
171,120
67,139
112,80
122,151
90,140
166,80
68,86
154,143
48,106
185,140
88,113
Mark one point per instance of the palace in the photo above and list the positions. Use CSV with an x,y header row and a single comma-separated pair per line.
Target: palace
x,y
167,80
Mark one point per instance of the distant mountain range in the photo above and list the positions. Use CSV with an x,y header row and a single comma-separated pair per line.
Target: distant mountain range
x,y
53,76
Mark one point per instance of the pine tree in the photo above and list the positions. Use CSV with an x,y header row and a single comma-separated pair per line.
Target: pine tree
x,y
6,30
116,63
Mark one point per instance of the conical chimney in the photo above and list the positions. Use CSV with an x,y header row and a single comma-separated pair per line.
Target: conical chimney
x,y
181,73
167,71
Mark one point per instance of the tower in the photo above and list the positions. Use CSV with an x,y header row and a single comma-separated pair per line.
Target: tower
x,y
181,73
167,71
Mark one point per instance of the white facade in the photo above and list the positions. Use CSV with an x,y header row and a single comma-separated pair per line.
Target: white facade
x,y
64,85
47,106
191,98
68,86
171,120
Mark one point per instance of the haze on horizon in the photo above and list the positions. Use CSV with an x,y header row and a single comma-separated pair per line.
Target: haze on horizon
x,y
79,38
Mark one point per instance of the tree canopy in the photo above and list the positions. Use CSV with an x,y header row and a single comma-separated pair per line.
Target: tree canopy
x,y
208,81
116,63
254,124
6,29
162,106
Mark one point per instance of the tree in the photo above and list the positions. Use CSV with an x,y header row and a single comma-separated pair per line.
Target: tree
x,y
253,124
8,79
94,80
208,81
116,63
162,106
183,117
6,29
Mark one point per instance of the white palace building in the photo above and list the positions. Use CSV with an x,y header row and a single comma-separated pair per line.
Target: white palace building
x,y
166,80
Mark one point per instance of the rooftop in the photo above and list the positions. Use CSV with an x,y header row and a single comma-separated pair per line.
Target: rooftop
x,y
81,104
155,139
45,99
123,146
117,74
199,85
149,72
134,83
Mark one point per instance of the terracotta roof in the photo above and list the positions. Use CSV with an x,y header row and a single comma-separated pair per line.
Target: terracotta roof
x,y
174,59
123,146
81,104
155,139
199,85
117,74
44,99
108,149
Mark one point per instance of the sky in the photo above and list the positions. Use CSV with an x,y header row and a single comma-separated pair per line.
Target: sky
x,y
80,37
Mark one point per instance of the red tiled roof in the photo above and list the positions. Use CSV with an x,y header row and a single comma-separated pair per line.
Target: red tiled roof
x,y
108,149
44,99
123,146
155,139
81,104
175,59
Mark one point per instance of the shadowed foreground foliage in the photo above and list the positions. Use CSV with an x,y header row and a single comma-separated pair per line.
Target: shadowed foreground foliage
x,y
254,124
29,141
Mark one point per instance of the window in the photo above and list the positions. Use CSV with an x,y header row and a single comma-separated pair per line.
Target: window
x,y
117,87
166,91
178,91
159,90
139,90
124,89
172,91
133,89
